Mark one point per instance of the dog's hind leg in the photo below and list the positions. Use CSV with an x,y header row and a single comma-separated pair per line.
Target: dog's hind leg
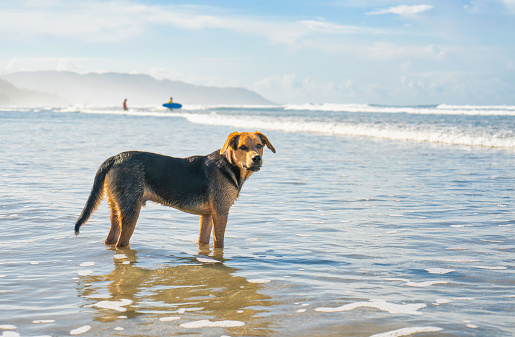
x,y
128,224
114,232
206,224
125,192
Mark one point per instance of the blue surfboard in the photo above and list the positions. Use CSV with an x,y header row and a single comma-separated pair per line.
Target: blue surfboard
x,y
172,105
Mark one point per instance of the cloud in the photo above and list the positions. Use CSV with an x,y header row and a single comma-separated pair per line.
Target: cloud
x,y
329,28
403,10
89,21
510,4
15,64
289,88
490,6
385,50
98,21
455,86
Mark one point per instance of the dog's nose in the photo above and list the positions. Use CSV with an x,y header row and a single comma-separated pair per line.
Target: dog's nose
x,y
256,159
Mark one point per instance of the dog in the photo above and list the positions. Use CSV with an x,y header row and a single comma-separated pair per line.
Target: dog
x,y
203,185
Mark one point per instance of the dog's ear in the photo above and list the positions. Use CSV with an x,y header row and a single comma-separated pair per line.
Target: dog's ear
x,y
231,140
266,141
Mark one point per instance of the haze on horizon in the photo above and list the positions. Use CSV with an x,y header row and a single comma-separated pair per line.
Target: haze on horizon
x,y
403,52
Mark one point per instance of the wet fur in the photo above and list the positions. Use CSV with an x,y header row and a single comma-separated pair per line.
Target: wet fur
x,y
203,185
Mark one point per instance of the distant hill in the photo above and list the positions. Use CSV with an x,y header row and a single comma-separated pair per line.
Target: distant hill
x,y
113,88
11,95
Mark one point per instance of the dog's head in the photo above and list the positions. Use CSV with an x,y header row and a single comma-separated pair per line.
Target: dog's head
x,y
245,149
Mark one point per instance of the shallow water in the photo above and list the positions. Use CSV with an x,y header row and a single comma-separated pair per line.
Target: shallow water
x,y
335,236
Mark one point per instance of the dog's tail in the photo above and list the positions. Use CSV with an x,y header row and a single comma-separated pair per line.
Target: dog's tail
x,y
96,194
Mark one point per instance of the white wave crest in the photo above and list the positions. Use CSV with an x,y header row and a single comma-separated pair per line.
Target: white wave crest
x,y
157,109
442,109
299,118
427,134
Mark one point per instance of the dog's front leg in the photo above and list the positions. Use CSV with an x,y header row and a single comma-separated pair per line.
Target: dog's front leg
x,y
219,224
206,224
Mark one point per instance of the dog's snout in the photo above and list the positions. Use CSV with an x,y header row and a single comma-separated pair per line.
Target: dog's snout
x,y
256,159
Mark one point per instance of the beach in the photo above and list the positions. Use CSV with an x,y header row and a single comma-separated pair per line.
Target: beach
x,y
369,220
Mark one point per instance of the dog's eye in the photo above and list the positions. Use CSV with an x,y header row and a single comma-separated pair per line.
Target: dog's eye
x,y
243,147
259,146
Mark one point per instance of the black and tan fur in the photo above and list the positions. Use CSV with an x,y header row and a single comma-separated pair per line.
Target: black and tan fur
x,y
204,185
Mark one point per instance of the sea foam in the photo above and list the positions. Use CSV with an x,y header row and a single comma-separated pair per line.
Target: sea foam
x,y
407,331
327,119
114,305
400,132
81,330
212,324
392,308
442,109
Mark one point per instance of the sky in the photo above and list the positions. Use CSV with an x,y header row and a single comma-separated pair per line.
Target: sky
x,y
304,51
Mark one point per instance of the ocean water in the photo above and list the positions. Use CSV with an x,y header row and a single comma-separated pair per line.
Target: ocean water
x,y
368,221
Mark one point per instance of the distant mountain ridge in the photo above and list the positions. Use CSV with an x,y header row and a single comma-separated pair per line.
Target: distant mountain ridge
x,y
112,88
11,95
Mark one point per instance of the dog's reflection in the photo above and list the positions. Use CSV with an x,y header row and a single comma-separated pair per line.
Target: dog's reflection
x,y
183,287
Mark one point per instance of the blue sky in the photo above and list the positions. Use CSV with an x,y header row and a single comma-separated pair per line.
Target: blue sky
x,y
334,51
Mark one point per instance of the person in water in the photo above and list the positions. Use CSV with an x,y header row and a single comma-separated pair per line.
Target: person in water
x,y
171,100
125,105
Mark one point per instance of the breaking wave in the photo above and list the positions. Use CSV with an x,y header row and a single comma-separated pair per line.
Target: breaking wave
x,y
486,126
455,135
